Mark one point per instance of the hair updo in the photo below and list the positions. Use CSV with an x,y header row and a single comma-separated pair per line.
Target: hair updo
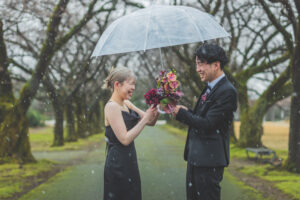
x,y
119,74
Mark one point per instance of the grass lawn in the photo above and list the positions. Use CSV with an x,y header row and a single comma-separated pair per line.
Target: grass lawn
x,y
276,135
15,179
41,140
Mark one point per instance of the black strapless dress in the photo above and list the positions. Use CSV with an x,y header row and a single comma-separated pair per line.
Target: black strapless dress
x,y
121,173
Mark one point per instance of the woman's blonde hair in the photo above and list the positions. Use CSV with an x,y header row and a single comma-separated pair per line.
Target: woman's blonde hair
x,y
119,74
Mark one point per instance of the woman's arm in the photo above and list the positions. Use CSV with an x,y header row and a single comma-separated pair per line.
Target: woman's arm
x,y
115,119
133,107
152,121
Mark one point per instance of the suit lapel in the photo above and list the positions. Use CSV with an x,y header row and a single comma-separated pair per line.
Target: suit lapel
x,y
223,80
199,98
209,99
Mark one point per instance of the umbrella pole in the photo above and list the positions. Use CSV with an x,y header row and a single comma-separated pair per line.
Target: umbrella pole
x,y
161,61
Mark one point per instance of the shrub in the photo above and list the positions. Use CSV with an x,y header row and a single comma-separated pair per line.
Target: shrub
x,y
35,118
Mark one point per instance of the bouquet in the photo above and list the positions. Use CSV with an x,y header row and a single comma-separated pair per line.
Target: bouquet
x,y
167,94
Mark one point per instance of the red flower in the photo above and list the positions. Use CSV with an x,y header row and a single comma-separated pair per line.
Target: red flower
x,y
151,97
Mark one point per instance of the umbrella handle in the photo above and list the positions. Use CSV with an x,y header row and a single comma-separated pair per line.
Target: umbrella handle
x,y
161,61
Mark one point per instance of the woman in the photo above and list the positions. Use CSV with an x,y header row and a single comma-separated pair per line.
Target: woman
x,y
123,122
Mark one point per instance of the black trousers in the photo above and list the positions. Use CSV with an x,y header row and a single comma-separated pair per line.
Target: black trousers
x,y
203,183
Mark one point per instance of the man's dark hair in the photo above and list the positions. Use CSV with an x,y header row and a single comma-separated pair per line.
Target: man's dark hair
x,y
211,52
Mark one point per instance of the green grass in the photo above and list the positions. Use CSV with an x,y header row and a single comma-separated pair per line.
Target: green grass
x,y
14,179
285,181
249,191
41,140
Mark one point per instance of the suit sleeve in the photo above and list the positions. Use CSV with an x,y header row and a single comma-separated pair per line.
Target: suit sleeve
x,y
218,112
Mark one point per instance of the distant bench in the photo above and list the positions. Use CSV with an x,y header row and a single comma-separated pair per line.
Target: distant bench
x,y
260,152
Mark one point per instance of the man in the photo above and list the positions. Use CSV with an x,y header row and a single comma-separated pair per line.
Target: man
x,y
207,145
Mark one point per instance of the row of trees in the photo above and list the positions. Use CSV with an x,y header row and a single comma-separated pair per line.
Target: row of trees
x,y
263,47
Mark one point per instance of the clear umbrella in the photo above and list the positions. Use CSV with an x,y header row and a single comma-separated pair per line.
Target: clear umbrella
x,y
156,27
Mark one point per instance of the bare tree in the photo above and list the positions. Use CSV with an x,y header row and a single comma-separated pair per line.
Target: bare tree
x,y
14,127
290,13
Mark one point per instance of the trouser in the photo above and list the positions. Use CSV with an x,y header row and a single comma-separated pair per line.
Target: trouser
x,y
203,183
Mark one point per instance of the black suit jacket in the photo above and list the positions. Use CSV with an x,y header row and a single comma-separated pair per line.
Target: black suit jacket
x,y
207,143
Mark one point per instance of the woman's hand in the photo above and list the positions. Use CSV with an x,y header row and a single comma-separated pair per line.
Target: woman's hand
x,y
154,114
150,113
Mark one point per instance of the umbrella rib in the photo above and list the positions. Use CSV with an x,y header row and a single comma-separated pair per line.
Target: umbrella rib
x,y
147,29
184,11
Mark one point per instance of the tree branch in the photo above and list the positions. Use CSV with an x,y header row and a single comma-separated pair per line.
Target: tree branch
x,y
249,72
24,69
30,89
286,35
85,19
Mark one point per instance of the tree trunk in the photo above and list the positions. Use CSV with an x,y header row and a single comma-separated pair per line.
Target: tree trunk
x,y
14,141
7,99
82,127
95,119
101,120
71,133
59,124
251,130
294,137
233,138
14,136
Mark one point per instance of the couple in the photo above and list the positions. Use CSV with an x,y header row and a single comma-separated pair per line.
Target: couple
x,y
207,145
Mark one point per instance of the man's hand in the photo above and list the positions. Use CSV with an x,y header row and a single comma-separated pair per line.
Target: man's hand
x,y
177,109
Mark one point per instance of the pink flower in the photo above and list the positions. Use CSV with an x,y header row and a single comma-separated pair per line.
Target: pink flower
x,y
167,88
164,80
174,84
162,73
171,76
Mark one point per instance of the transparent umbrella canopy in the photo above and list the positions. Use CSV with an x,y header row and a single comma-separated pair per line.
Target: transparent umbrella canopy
x,y
158,26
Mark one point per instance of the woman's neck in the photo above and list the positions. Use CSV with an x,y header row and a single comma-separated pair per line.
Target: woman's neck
x,y
116,98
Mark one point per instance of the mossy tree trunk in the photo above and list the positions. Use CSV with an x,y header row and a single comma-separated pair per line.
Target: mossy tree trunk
x,y
102,104
293,162
71,132
251,129
81,116
294,135
58,103
50,45
7,98
292,42
58,108
14,139
96,119
233,138
14,142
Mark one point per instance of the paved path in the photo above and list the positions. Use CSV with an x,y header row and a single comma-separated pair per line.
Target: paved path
x,y
162,169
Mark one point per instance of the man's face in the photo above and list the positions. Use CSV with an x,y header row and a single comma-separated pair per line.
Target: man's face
x,y
207,72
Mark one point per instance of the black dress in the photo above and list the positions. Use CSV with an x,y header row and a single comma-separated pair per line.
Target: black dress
x,y
121,172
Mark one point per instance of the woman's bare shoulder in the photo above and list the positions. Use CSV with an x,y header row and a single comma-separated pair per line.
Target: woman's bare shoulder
x,y
129,104
111,106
